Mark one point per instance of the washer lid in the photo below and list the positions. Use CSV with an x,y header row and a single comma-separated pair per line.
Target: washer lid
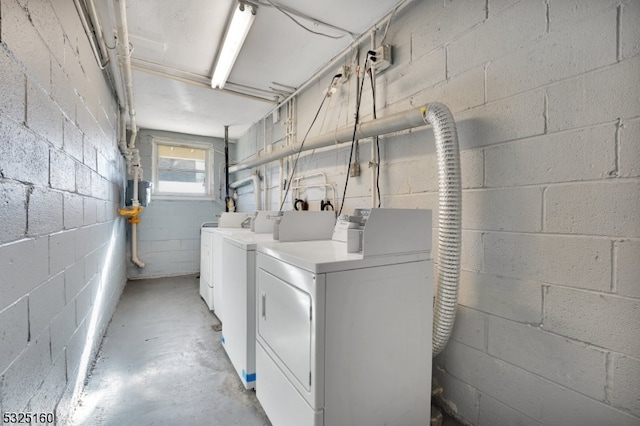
x,y
331,256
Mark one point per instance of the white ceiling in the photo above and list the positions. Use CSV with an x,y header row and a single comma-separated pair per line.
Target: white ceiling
x,y
181,38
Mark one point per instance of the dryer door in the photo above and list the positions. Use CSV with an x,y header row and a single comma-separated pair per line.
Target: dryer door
x,y
284,324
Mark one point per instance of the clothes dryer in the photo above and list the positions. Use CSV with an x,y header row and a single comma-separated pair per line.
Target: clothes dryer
x,y
238,276
344,326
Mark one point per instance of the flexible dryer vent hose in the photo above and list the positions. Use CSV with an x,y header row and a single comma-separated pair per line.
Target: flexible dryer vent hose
x,y
449,222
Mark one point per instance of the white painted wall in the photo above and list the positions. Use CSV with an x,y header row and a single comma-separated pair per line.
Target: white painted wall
x,y
169,229
546,97
62,245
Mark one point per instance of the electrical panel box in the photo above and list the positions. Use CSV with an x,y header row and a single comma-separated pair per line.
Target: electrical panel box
x,y
144,192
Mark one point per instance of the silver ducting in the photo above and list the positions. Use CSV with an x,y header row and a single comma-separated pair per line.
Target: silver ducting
x,y
449,223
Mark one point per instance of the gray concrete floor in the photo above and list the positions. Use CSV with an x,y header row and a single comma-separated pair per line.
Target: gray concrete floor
x,y
162,363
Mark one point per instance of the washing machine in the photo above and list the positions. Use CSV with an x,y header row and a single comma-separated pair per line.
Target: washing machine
x,y
206,263
343,326
238,257
209,276
259,221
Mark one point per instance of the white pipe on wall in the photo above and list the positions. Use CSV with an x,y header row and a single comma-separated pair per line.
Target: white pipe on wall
x,y
324,186
122,140
392,123
134,226
255,180
280,181
297,186
135,201
264,192
102,53
134,163
125,60
98,30
257,193
134,246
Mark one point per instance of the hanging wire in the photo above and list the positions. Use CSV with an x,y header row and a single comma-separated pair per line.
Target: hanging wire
x,y
353,137
384,36
295,164
377,139
290,16
313,151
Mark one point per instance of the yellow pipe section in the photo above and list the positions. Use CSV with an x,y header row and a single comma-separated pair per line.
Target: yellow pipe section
x,y
132,212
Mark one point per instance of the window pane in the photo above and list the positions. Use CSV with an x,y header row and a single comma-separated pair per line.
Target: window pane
x,y
178,164
181,182
181,176
181,169
181,152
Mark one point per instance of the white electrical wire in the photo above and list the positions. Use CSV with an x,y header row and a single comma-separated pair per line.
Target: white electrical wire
x,y
384,36
289,13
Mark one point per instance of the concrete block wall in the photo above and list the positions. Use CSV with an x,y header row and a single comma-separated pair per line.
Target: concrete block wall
x,y
62,244
169,229
546,99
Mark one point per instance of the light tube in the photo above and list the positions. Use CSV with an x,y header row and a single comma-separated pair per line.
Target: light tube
x,y
241,21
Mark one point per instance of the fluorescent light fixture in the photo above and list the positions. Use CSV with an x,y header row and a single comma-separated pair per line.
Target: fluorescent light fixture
x,y
241,21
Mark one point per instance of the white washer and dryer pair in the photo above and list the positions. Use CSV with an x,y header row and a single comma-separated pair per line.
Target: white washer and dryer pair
x,y
209,277
238,275
211,247
344,326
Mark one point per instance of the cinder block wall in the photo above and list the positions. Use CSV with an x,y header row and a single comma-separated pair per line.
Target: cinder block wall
x,y
62,245
169,229
546,95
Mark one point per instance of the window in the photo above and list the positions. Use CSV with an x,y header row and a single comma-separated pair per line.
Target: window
x,y
182,169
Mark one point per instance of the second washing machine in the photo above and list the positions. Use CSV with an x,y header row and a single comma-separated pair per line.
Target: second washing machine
x,y
238,275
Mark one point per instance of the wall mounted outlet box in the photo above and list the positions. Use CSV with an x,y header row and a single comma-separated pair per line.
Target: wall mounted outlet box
x,y
383,58
345,70
354,170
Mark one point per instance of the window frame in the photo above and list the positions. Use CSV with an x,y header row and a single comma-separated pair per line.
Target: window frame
x,y
208,169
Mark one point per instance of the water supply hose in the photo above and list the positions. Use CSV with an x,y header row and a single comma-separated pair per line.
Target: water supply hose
x,y
449,222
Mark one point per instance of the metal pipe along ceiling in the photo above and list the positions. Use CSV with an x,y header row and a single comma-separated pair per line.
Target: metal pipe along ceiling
x,y
393,123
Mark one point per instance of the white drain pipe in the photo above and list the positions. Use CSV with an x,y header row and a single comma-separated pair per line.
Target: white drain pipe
x,y
392,123
124,58
135,202
450,195
255,180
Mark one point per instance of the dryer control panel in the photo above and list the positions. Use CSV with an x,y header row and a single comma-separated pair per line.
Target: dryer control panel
x,y
376,232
